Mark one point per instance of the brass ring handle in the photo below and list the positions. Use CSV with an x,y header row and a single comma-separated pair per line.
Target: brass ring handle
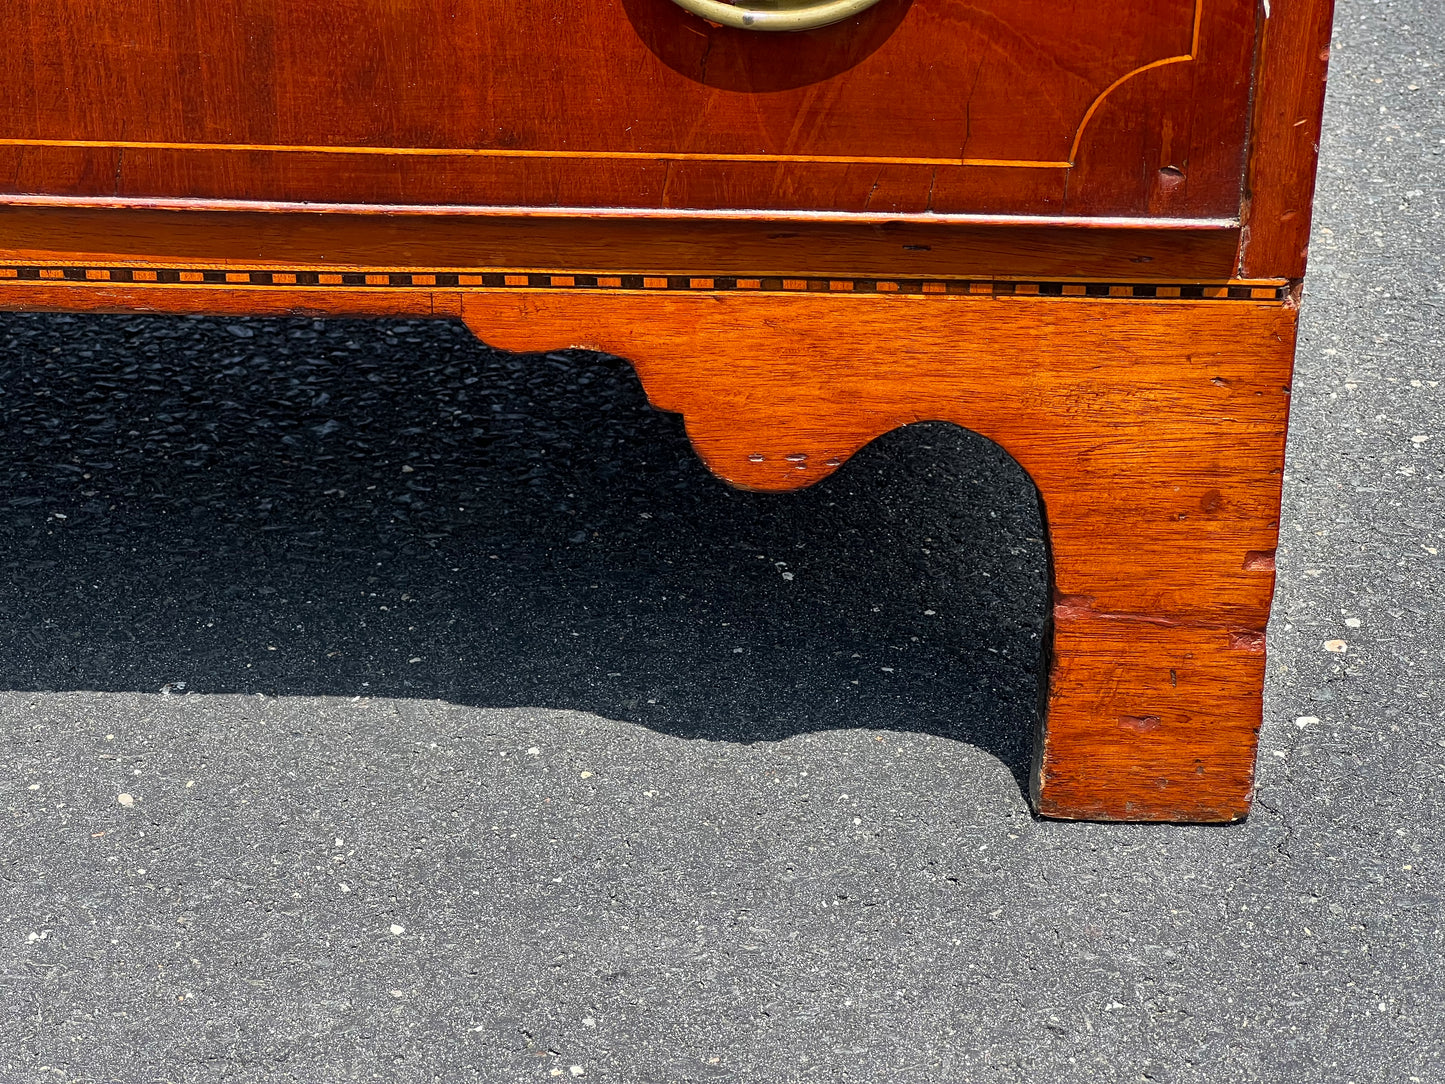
x,y
775,14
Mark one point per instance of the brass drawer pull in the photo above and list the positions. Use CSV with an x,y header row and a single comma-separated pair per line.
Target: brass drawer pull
x,y
775,14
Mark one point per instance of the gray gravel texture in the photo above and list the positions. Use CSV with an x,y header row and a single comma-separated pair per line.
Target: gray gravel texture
x,y
472,732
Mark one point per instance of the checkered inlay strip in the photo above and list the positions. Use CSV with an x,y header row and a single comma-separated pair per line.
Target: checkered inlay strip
x,y
511,280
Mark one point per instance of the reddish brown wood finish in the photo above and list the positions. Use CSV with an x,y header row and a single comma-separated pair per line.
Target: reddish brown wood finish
x,y
1289,103
149,150
663,245
994,106
1153,430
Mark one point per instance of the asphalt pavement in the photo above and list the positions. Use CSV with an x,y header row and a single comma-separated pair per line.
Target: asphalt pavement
x,y
381,707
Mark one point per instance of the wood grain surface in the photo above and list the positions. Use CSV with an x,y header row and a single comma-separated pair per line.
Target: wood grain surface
x,y
1285,137
658,245
1154,430
1025,106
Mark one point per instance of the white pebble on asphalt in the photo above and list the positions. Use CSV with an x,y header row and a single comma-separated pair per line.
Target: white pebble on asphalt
x,y
398,930
1339,647
1306,720
125,800
1352,622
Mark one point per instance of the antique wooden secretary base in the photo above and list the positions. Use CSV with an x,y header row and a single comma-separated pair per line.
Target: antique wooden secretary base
x,y
1116,309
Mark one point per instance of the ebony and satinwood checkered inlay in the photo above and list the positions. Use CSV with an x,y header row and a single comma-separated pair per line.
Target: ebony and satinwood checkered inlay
x,y
310,279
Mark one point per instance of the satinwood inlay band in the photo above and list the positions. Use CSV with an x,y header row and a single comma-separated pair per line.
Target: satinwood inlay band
x,y
489,279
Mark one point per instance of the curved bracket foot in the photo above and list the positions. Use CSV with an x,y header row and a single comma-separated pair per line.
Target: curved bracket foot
x,y
1153,430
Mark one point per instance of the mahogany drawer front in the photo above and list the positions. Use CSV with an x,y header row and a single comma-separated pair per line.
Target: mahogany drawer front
x,y
1133,108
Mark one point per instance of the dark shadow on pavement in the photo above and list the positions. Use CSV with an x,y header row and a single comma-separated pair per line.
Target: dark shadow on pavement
x,y
392,509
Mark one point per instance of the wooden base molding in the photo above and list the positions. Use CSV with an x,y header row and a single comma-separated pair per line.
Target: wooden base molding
x,y
1151,421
